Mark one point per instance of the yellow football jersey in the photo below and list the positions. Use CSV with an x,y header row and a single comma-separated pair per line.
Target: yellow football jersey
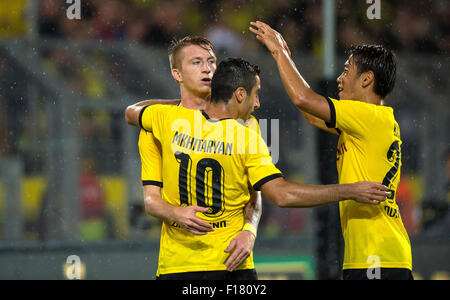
x,y
369,149
150,153
206,163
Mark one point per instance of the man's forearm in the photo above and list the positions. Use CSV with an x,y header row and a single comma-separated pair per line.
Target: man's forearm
x,y
299,90
157,207
299,195
253,210
296,87
158,101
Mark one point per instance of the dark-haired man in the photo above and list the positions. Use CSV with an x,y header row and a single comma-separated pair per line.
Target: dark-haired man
x,y
208,159
192,63
377,245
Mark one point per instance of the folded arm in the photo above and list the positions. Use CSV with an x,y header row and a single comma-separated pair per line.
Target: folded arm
x,y
183,216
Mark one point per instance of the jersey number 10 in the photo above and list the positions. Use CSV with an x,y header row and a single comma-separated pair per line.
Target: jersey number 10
x,y
206,167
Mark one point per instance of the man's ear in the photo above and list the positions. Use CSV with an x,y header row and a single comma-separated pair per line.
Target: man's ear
x,y
367,78
176,74
240,93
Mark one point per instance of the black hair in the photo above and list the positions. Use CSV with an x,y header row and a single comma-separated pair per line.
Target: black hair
x,y
381,61
231,74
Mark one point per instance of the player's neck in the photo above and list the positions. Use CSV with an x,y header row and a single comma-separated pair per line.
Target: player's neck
x,y
221,110
192,101
372,98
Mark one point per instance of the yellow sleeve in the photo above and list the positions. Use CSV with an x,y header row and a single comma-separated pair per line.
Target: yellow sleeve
x,y
146,118
151,161
353,117
259,164
152,118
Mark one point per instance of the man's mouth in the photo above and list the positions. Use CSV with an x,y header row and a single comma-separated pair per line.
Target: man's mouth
x,y
206,80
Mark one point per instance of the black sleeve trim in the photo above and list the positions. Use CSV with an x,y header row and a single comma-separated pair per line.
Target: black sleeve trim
x,y
258,185
152,182
332,123
140,115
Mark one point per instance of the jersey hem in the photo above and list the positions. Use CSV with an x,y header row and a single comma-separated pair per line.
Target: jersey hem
x,y
266,179
152,182
382,265
199,269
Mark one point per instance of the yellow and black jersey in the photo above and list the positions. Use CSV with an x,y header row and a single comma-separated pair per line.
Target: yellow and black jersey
x,y
150,153
206,163
369,149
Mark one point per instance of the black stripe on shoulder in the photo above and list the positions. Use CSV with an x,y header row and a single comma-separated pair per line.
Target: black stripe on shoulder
x,y
260,183
140,115
205,115
152,182
332,123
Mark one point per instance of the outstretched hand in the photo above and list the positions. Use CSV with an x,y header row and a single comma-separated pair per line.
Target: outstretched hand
x,y
272,39
369,192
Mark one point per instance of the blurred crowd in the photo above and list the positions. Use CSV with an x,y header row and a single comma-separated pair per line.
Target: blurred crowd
x,y
410,26
422,25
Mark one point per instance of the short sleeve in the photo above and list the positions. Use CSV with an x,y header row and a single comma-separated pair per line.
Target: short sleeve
x,y
151,118
151,161
259,165
145,119
353,117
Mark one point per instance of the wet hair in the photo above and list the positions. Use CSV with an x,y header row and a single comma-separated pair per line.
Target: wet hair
x,y
381,61
231,74
178,44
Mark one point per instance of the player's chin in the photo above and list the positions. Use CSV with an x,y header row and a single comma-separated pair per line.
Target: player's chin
x,y
205,88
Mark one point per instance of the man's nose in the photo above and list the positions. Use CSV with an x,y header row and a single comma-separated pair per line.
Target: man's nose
x,y
257,105
206,68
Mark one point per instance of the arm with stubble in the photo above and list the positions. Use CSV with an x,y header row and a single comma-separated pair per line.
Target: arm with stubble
x,y
289,194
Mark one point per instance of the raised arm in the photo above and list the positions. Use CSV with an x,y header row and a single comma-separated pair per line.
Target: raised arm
x,y
132,112
297,88
288,194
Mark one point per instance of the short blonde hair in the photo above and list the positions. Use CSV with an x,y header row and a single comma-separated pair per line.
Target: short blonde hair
x,y
178,44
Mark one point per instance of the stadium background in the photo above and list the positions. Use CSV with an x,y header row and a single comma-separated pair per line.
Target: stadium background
x,y
69,165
